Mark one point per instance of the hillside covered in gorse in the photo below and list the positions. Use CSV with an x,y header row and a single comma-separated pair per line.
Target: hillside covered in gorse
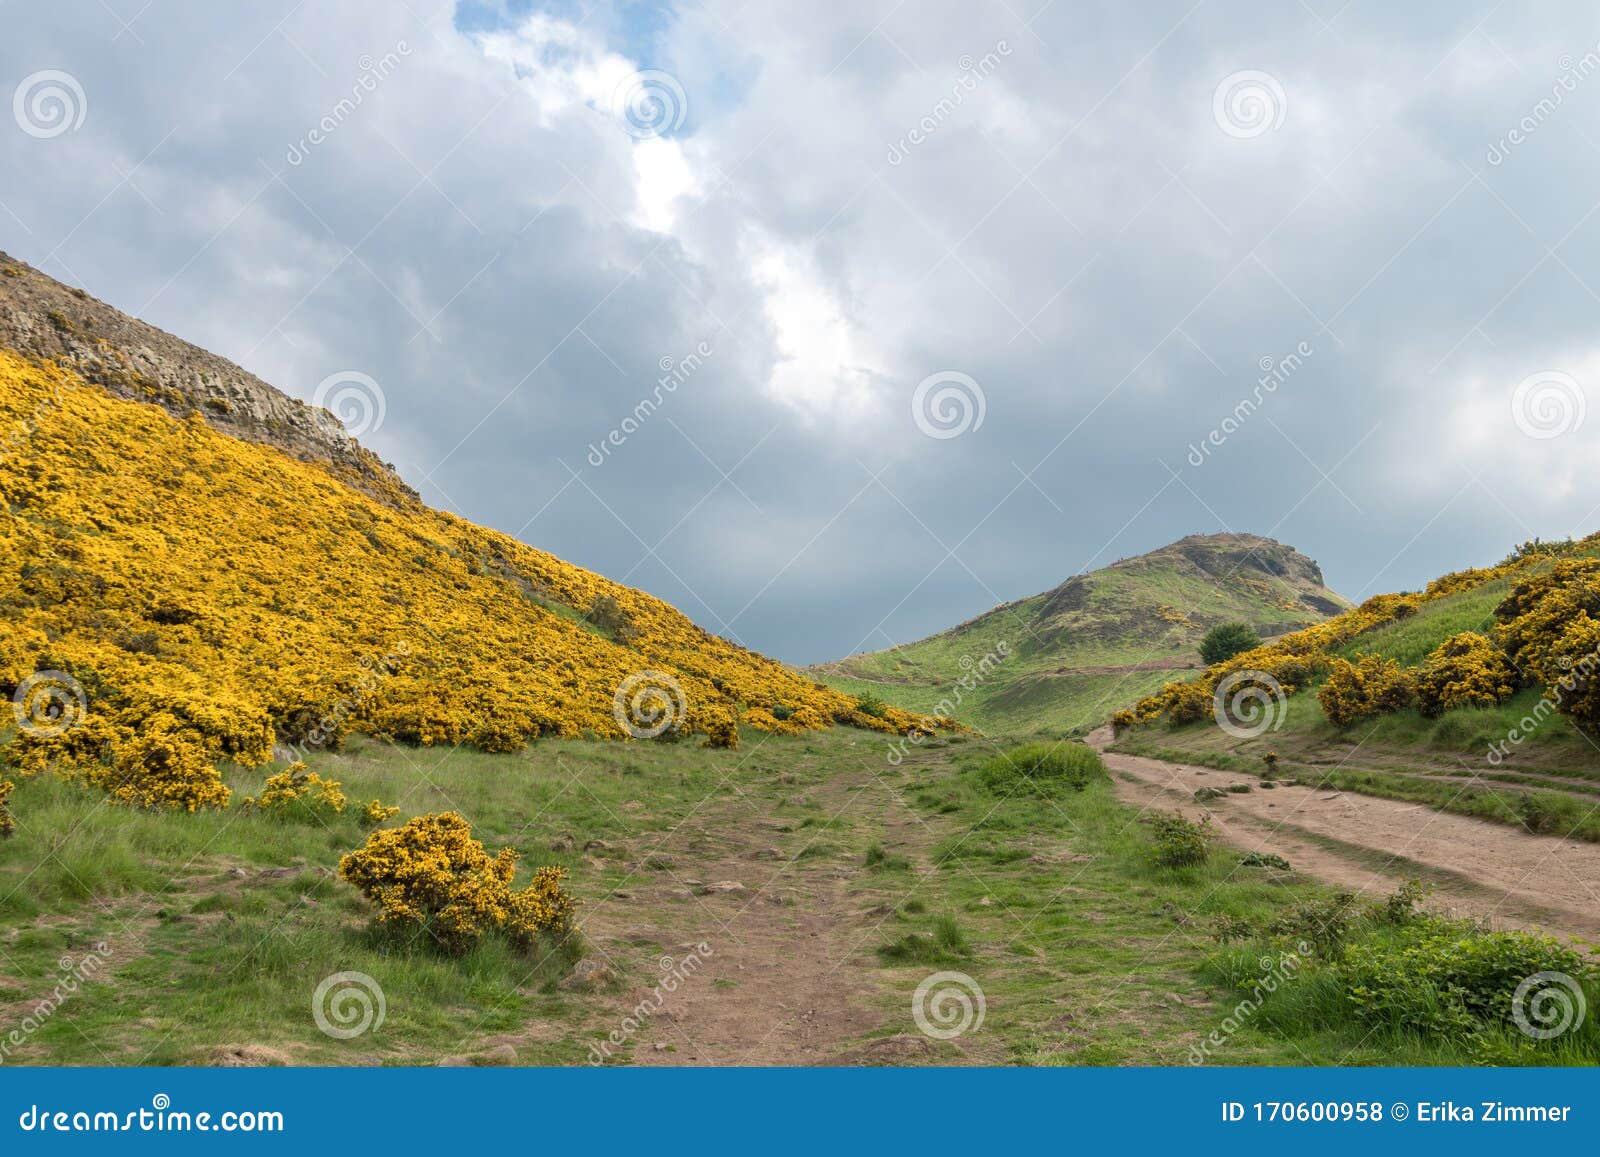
x,y
173,598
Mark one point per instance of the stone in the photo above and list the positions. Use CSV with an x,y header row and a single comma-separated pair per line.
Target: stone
x,y
588,975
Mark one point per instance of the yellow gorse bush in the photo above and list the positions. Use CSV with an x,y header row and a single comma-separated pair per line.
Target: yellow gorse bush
x,y
1466,670
296,790
8,823
431,876
214,597
377,813
1302,657
1367,688
1550,629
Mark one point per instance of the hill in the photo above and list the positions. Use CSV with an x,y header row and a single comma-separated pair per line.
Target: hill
x,y
195,570
1475,696
1067,658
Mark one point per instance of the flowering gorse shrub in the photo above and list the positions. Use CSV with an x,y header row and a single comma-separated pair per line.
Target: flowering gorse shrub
x,y
8,823
1369,687
164,765
377,813
1550,629
1466,670
721,730
296,791
1301,658
430,875
163,564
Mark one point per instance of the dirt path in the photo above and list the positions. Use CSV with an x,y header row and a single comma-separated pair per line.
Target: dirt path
x,y
1371,845
765,931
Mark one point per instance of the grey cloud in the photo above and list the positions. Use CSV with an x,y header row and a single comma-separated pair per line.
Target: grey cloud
x,y
1077,234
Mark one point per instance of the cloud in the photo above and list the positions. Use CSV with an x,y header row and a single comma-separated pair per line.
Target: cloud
x,y
514,218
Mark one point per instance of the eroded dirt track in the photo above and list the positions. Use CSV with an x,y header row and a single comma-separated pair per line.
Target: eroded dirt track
x,y
1371,845
782,938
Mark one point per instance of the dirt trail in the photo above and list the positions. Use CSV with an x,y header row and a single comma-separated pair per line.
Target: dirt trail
x,y
790,977
1479,869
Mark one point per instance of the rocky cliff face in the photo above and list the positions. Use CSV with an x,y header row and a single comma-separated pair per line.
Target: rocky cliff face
x,y
47,321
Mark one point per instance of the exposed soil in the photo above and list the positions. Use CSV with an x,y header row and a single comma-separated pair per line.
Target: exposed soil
x,y
1371,845
790,978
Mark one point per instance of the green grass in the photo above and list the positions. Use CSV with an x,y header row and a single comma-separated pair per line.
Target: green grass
x,y
1042,769
218,927
208,958
1087,902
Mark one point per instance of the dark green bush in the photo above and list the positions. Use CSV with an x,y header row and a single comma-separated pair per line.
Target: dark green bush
x,y
1447,979
870,704
1226,640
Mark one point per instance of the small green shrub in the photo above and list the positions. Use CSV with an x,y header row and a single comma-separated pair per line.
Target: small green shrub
x,y
1263,860
1179,841
1323,924
1042,769
1226,640
880,860
870,704
944,945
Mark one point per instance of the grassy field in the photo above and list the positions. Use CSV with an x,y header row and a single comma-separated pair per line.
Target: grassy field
x,y
859,874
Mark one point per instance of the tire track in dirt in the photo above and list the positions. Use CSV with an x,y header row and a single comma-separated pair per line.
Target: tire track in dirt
x,y
1479,869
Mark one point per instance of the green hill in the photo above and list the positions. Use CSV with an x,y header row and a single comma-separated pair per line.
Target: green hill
x,y
1067,658
1523,759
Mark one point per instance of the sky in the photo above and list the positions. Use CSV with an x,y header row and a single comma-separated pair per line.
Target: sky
x,y
835,324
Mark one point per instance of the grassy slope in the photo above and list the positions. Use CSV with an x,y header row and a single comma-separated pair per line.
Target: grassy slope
x,y
1128,629
1442,762
1087,953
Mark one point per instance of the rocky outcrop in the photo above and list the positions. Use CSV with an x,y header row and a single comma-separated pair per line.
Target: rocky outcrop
x,y
47,321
